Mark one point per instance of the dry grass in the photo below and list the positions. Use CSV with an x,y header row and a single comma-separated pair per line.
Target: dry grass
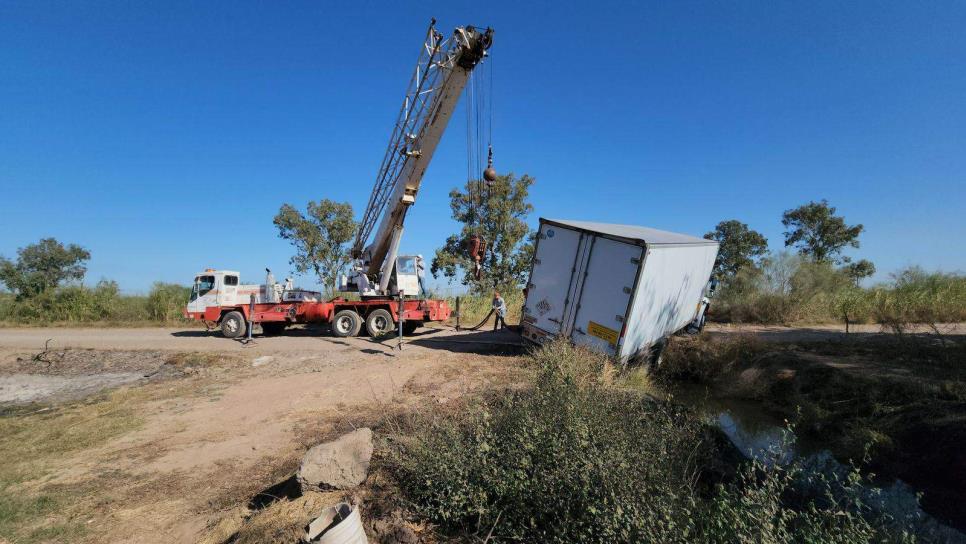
x,y
32,443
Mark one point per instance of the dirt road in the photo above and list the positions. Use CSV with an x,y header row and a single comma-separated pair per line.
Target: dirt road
x,y
180,339
311,340
201,423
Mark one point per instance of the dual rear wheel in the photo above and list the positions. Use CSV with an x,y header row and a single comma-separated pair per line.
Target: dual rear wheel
x,y
378,323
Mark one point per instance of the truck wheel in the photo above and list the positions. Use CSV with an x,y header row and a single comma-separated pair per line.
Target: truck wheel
x,y
271,329
379,322
233,325
656,355
410,327
346,323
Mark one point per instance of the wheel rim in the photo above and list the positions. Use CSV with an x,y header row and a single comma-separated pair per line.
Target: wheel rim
x,y
343,324
380,324
231,325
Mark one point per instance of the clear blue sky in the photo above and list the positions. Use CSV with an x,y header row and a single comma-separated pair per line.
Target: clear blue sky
x,y
164,137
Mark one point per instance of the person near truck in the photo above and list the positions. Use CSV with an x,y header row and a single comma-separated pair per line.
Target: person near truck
x,y
499,308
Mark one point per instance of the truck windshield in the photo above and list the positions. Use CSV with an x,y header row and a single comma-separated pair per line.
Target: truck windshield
x,y
202,285
406,265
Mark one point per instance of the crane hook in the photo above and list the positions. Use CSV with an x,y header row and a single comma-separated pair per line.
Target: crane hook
x,y
490,173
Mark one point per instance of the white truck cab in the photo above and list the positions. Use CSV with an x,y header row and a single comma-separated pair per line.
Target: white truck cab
x,y
221,288
224,288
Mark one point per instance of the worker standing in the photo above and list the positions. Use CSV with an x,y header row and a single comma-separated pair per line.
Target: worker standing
x,y
499,307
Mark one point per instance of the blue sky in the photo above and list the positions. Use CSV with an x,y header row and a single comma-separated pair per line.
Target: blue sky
x,y
164,137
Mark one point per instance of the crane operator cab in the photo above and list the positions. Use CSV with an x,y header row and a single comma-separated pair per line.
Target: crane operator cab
x,y
407,276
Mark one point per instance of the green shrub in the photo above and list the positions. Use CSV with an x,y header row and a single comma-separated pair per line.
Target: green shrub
x,y
571,459
565,461
167,301
787,289
916,296
103,303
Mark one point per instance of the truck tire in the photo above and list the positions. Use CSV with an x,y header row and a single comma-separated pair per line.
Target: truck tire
x,y
379,322
410,327
233,325
346,323
273,328
656,355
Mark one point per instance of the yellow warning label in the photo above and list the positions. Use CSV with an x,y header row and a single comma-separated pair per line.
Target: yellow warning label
x,y
602,332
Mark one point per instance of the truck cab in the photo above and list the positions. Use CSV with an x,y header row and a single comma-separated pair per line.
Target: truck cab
x,y
220,288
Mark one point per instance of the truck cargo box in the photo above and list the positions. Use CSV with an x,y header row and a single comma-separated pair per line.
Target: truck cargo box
x,y
616,288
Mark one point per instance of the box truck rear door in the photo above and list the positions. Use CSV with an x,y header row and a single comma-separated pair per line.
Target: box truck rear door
x,y
607,288
550,281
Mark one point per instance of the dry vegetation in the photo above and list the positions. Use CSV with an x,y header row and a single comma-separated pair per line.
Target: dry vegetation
x,y
575,457
103,305
789,290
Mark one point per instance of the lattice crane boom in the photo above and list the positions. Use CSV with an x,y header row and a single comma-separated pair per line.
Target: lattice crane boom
x,y
442,71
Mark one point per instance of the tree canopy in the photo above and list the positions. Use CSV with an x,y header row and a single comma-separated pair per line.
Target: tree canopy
x,y
42,266
321,237
496,212
863,268
740,247
818,233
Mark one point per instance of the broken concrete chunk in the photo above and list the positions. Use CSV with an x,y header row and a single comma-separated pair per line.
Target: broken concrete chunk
x,y
340,464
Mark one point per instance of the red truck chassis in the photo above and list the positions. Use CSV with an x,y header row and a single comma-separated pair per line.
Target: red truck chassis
x,y
347,317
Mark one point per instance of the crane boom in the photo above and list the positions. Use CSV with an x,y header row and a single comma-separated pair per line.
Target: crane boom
x,y
442,71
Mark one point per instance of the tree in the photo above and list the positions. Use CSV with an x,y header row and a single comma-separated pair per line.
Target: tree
x,y
740,247
42,266
850,304
497,213
321,237
818,233
863,268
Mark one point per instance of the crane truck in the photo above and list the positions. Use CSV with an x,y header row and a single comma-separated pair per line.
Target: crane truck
x,y
389,285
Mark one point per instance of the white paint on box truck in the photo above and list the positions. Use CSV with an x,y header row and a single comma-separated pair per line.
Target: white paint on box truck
x,y
616,288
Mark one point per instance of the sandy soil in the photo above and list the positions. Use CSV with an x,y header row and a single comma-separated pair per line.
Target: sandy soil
x,y
220,428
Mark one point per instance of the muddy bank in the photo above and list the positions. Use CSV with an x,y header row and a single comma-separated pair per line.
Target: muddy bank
x,y
899,409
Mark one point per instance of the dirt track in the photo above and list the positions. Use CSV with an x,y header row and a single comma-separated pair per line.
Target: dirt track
x,y
217,421
180,339
315,341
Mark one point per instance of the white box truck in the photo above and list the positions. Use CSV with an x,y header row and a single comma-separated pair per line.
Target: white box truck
x,y
620,289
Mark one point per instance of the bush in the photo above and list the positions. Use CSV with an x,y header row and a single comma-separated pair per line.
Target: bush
x,y
787,289
571,459
565,461
167,301
103,303
701,359
916,296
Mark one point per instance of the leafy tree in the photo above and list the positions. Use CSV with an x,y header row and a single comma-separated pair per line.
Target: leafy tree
x,y
818,233
42,266
498,214
863,268
740,247
321,237
850,304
